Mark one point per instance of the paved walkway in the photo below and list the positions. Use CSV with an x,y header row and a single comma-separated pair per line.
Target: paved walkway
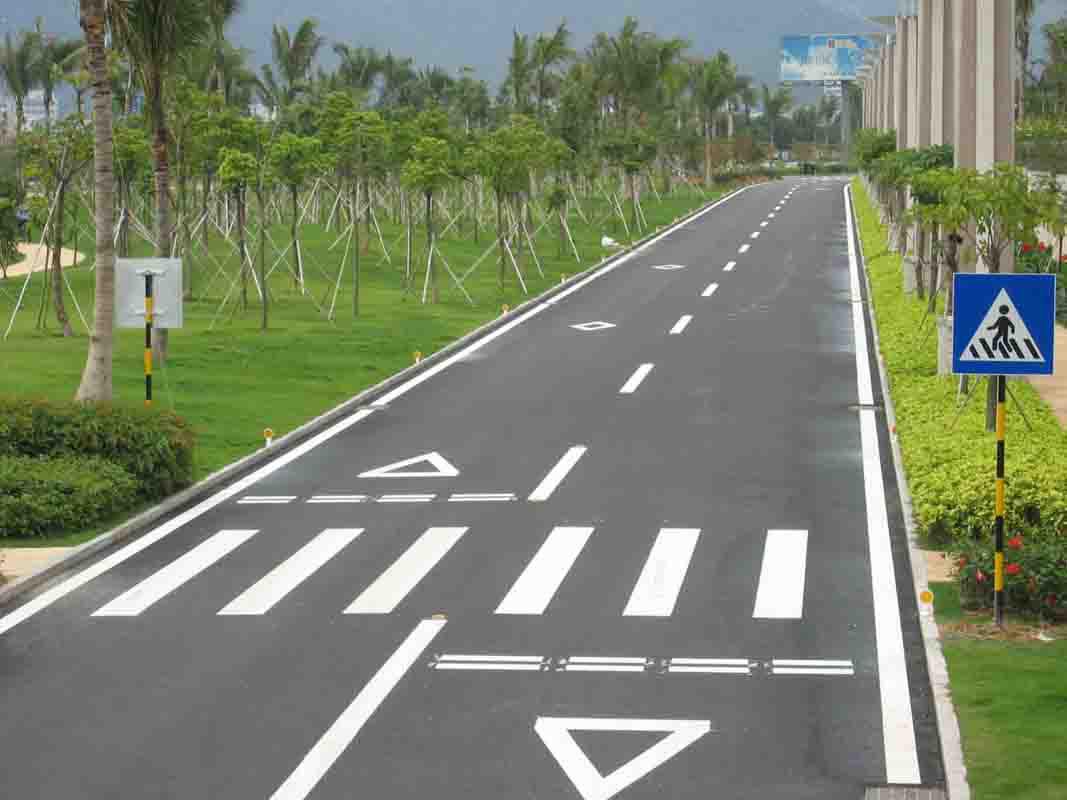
x,y
34,258
18,562
1054,389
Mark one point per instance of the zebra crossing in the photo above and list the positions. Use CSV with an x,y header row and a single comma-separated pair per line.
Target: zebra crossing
x,y
778,591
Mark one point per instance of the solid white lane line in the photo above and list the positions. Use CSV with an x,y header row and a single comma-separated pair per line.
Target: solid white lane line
x,y
729,266
657,589
406,498
262,596
178,572
744,248
780,592
556,475
635,380
538,583
45,599
393,585
489,658
681,324
340,734
712,288
754,235
898,728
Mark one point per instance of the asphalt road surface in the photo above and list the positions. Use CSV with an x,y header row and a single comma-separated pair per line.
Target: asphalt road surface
x,y
642,542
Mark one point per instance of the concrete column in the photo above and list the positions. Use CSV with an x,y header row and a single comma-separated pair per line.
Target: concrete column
x,y
942,93
925,67
890,87
995,85
964,63
913,81
900,83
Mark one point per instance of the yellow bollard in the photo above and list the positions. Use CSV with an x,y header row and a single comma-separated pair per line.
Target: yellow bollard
x,y
268,436
505,308
418,356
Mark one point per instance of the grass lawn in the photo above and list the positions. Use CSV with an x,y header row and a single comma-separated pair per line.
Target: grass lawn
x,y
1011,698
231,380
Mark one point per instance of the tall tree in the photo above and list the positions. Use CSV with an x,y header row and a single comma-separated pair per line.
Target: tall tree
x,y
293,56
549,52
18,68
220,12
155,34
1024,15
52,55
775,103
520,72
714,83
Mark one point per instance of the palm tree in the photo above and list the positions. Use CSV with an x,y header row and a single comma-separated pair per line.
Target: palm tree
x,y
293,56
96,383
520,69
774,105
549,52
714,83
18,61
1024,14
220,13
827,113
52,54
360,67
155,35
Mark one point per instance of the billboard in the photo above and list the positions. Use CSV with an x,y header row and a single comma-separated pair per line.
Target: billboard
x,y
824,57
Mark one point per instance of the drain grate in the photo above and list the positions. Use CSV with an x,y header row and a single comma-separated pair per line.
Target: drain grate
x,y
904,793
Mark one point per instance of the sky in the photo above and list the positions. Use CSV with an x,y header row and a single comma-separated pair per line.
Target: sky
x,y
477,33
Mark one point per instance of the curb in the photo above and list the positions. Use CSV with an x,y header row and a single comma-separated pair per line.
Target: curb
x,y
188,497
948,728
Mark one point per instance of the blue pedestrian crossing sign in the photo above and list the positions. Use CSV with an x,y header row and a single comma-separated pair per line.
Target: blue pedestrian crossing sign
x,y
1004,324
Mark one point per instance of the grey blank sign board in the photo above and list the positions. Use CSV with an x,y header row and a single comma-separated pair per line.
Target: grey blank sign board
x,y
166,288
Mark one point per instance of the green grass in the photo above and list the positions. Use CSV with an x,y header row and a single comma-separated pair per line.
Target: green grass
x,y
1011,700
230,380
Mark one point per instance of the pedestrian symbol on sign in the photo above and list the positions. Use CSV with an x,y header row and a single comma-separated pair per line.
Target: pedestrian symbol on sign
x,y
1002,336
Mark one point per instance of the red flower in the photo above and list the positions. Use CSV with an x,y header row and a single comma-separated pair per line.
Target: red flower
x,y
1027,248
1041,246
1051,601
1063,259
980,576
962,562
1015,543
1013,569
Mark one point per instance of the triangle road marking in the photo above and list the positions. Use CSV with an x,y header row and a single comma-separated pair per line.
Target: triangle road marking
x,y
555,732
442,468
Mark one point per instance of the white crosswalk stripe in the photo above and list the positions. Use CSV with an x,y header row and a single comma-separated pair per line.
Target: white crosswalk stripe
x,y
537,585
661,579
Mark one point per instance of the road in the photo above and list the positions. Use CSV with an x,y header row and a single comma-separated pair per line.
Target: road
x,y
641,542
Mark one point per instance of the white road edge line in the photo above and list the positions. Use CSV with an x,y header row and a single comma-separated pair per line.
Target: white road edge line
x,y
346,727
61,590
898,726
712,288
636,379
681,324
555,476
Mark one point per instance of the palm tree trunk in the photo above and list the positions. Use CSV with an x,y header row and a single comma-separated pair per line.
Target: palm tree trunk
x,y
242,247
355,249
707,152
57,262
435,292
263,256
293,234
163,220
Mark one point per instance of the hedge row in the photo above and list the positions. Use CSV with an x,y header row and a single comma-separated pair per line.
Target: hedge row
x,y
155,447
42,496
950,461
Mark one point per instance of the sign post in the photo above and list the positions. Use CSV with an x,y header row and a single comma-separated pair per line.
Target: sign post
x,y
1004,325
148,294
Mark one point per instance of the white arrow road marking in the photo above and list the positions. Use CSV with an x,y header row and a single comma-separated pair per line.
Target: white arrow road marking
x,y
780,593
441,468
556,475
335,741
541,579
262,596
177,573
636,379
555,732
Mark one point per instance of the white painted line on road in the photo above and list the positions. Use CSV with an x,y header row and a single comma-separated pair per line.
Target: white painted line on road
x,y
657,589
681,324
407,498
682,669
715,662
780,592
45,599
635,380
489,658
538,583
501,497
603,668
712,288
340,734
262,596
265,501
459,667
898,727
442,468
830,671
175,574
744,248
764,224
556,475
811,662
607,660
393,585
729,266
772,215
342,499
754,235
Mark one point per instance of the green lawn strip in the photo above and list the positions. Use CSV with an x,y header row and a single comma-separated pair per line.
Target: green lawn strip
x,y
1011,703
232,381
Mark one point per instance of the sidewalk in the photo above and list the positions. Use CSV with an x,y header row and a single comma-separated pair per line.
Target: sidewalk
x,y
18,562
1054,389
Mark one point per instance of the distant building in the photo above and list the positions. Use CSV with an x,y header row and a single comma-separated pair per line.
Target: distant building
x,y
262,111
33,108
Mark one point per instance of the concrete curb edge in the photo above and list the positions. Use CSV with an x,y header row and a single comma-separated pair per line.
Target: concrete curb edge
x,y
137,525
948,727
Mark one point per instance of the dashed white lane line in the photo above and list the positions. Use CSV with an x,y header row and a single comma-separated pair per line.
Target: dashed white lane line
x,y
321,757
556,475
764,224
754,235
407,498
712,288
263,500
176,574
269,590
730,266
772,215
636,379
681,324
393,585
744,249
539,582
337,499
786,666
500,497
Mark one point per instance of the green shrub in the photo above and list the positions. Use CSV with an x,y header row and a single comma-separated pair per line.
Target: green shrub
x,y
42,496
948,455
1035,574
156,447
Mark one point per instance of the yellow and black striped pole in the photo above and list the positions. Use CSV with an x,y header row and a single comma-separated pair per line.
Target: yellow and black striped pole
x,y
998,529
148,309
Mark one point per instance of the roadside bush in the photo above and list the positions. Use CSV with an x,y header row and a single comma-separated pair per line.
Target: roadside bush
x,y
155,447
1035,574
42,496
948,455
